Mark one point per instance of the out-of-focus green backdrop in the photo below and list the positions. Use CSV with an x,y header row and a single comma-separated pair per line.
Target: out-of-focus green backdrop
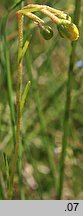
x,y
46,65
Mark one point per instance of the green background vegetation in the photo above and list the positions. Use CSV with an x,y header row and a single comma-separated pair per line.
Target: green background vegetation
x,y
46,65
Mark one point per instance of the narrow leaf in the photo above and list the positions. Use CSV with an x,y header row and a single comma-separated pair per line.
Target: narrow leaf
x,y
24,96
23,51
15,5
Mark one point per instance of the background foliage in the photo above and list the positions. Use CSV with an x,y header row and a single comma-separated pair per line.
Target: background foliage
x,y
46,65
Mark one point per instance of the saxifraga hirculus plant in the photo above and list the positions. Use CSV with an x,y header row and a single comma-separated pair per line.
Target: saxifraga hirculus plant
x,y
66,29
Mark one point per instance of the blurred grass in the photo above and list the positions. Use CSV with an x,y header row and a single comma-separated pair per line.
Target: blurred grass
x,y
49,73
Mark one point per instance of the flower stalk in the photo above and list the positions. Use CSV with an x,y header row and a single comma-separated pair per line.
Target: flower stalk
x,y
60,19
18,95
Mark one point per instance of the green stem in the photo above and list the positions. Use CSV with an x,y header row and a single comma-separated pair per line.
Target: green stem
x,y
3,192
9,85
10,93
7,171
68,104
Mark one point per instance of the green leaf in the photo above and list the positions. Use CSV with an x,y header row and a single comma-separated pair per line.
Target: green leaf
x,y
15,5
23,51
24,96
6,165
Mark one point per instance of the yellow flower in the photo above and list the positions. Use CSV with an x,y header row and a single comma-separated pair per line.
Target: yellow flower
x,y
68,30
73,31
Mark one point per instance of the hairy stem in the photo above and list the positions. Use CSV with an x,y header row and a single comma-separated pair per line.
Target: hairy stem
x,y
18,96
21,190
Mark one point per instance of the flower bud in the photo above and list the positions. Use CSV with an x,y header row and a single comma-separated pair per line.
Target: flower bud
x,y
68,30
46,32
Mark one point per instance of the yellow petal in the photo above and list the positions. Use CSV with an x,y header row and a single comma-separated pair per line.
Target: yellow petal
x,y
72,30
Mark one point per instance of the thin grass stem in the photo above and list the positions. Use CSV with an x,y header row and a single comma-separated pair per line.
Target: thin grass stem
x,y
68,104
9,85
